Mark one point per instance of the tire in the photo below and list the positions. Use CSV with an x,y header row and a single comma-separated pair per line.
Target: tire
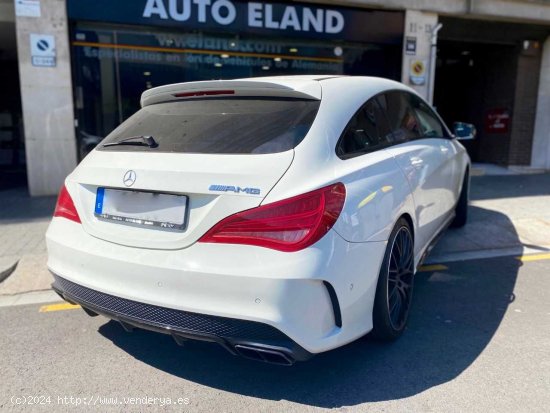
x,y
461,209
395,285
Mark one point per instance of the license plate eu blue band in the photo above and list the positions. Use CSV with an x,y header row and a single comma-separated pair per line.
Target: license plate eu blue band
x,y
144,209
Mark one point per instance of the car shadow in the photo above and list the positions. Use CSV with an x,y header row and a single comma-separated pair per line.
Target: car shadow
x,y
509,186
456,312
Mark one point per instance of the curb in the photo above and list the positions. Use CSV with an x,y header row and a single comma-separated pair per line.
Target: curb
x,y
31,297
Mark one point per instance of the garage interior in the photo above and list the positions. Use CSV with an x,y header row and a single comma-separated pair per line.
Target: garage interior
x,y
12,152
487,73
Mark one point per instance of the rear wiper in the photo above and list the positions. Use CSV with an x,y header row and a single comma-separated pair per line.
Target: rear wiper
x,y
135,141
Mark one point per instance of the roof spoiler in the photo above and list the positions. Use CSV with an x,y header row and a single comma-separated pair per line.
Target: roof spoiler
x,y
288,88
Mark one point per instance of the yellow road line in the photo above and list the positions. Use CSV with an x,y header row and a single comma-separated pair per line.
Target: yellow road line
x,y
57,307
433,267
206,52
534,257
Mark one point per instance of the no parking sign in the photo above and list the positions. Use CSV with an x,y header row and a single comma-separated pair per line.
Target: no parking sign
x,y
417,71
43,50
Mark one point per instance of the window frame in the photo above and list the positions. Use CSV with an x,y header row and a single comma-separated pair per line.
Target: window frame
x,y
389,144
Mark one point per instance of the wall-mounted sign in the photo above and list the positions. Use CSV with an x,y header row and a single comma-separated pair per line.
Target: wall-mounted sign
x,y
270,18
43,50
410,45
497,120
27,8
417,72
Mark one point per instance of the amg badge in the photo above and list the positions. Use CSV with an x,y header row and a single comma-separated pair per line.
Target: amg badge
x,y
235,189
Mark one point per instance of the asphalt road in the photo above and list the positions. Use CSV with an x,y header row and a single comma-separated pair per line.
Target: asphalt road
x,y
478,341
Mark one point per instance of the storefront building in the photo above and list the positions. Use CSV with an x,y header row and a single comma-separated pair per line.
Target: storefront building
x,y
119,50
82,65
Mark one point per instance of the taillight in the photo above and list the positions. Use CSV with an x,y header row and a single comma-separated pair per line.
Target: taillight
x,y
65,206
203,93
288,225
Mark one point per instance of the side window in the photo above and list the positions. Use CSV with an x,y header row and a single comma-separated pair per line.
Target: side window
x,y
430,125
367,131
401,116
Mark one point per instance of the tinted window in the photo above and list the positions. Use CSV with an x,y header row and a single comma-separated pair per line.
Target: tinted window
x,y
430,125
401,116
219,126
368,130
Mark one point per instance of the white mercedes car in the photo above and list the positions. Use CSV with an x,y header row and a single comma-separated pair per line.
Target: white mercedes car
x,y
279,217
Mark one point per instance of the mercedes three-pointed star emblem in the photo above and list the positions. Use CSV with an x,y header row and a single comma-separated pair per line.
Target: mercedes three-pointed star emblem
x,y
129,178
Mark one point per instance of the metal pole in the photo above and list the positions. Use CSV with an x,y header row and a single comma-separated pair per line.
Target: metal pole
x,y
433,53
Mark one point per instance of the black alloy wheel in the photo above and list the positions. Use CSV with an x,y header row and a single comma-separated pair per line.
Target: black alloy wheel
x,y
395,284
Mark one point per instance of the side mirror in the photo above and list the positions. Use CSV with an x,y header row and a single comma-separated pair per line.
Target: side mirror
x,y
464,131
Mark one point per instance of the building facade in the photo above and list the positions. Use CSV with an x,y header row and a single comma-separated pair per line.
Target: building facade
x,y
79,66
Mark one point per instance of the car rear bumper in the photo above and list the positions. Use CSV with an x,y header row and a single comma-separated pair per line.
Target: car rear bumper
x,y
250,339
319,298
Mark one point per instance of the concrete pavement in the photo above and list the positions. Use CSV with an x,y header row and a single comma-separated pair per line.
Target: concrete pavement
x,y
23,223
507,215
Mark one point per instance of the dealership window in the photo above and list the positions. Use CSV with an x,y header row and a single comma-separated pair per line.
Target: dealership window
x,y
113,66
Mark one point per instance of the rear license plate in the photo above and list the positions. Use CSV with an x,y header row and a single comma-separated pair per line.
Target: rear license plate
x,y
144,209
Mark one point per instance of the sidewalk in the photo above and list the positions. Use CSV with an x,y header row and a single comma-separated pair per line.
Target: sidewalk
x,y
508,214
23,223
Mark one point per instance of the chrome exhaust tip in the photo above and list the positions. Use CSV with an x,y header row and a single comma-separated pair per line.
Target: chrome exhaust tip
x,y
266,355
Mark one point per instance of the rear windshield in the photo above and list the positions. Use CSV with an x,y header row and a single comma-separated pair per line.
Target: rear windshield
x,y
219,126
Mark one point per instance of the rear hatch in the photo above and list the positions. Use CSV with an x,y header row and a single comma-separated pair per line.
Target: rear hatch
x,y
211,155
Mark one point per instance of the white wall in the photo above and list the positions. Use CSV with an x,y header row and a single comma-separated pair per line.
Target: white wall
x,y
46,95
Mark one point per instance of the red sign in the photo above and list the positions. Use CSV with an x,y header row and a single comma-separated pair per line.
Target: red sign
x,y
497,121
